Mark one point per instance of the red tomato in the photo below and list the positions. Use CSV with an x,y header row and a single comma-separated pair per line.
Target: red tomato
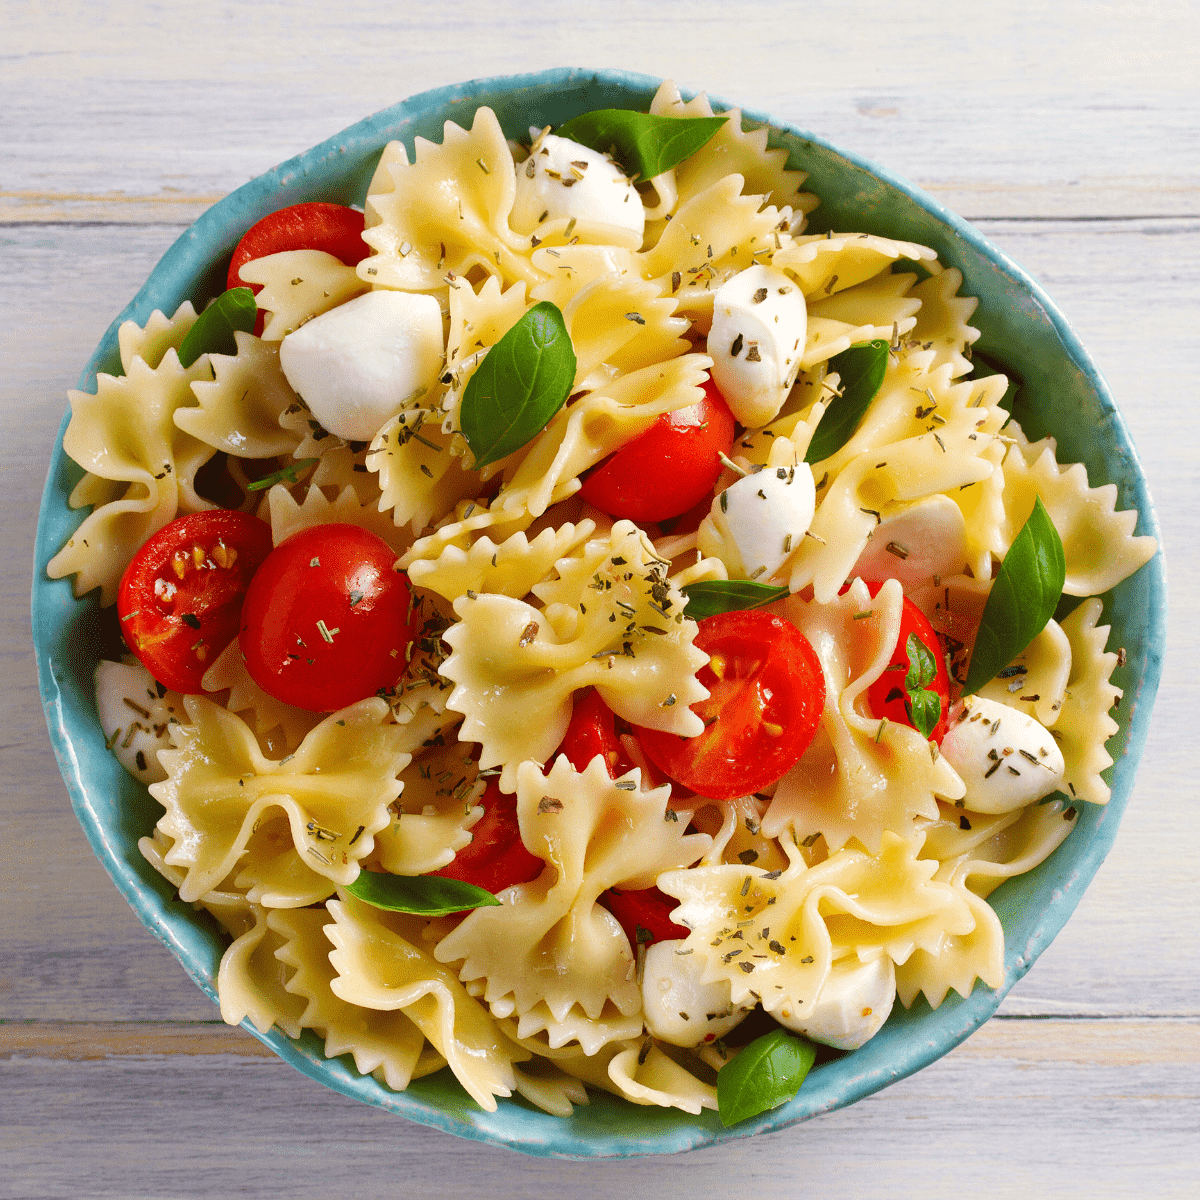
x,y
670,467
644,915
593,730
887,696
333,228
181,595
767,691
326,619
496,857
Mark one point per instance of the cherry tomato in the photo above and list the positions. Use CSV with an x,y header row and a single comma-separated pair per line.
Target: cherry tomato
x,y
593,730
181,595
887,696
496,857
644,915
333,228
767,691
326,620
670,467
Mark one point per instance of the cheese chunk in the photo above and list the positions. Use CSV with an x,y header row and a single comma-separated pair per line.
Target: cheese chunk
x,y
756,342
915,544
359,364
851,1006
758,521
677,1007
563,179
1005,758
135,717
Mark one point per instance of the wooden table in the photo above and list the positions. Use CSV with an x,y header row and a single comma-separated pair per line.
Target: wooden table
x,y
1070,140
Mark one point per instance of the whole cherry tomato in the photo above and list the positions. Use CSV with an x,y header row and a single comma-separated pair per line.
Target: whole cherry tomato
x,y
889,696
669,468
181,595
326,620
496,857
318,225
766,693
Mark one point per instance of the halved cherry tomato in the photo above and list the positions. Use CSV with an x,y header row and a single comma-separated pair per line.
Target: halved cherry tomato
x,y
181,595
593,730
887,696
670,467
318,225
496,857
767,691
326,620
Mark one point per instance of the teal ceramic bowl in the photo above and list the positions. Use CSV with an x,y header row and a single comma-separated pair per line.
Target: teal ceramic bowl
x,y
1064,395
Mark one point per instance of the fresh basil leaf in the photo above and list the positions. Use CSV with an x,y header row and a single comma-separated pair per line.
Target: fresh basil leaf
x,y
429,895
910,266
646,145
711,596
523,381
922,666
924,710
766,1074
860,371
1023,598
213,330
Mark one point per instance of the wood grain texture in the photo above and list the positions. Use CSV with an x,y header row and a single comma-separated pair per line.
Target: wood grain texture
x,y
1072,138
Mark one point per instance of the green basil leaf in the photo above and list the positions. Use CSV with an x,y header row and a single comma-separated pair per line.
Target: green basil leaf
x,y
711,596
860,371
290,474
922,666
524,379
213,330
924,710
429,895
1023,598
766,1074
646,145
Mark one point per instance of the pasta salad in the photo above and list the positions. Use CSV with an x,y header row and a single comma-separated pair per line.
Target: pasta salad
x,y
586,630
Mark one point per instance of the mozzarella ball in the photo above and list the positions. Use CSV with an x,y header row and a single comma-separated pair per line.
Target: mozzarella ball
x,y
758,521
562,179
756,342
916,543
357,365
1005,758
851,1006
677,1007
135,717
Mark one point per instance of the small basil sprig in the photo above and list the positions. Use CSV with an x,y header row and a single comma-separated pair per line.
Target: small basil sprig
x,y
214,328
290,474
924,705
428,895
646,145
765,1074
708,597
1023,598
860,371
523,381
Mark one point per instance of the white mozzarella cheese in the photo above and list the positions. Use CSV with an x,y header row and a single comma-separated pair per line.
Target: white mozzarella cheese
x,y
563,179
756,342
357,365
135,718
677,1007
851,1007
758,521
1005,758
916,543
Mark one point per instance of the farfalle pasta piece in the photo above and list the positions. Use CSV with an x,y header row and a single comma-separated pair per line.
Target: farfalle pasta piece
x,y
880,308
1084,723
550,942
126,433
251,985
151,341
656,1078
825,264
287,515
447,212
383,1043
334,792
942,320
1098,540
508,569
1035,682
340,464
861,777
239,408
611,620
380,965
298,285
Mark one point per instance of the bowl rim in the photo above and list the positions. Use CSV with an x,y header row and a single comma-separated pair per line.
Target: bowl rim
x,y
940,1030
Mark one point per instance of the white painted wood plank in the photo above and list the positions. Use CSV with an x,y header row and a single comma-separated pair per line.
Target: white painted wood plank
x,y
1113,1113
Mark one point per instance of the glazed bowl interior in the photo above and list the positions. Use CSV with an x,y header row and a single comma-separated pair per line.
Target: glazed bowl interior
x,y
1063,394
